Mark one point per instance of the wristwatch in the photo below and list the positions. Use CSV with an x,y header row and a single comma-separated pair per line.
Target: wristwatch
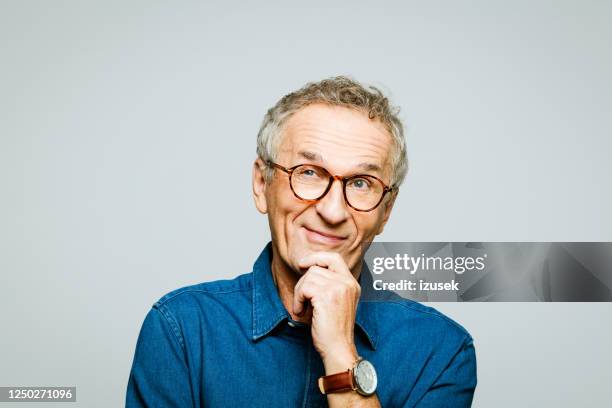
x,y
361,378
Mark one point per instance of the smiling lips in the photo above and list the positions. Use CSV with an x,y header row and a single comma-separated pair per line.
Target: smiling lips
x,y
321,237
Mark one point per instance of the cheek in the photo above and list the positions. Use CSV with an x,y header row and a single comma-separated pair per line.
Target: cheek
x,y
283,208
368,224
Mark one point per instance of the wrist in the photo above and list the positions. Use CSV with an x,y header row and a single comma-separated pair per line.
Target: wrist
x,y
340,360
360,377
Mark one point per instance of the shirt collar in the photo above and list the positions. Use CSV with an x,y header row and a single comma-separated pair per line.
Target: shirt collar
x,y
269,311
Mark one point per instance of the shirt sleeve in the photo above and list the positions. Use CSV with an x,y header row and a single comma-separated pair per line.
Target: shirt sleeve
x,y
159,375
455,386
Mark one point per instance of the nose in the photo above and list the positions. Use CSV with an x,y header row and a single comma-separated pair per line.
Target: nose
x,y
333,208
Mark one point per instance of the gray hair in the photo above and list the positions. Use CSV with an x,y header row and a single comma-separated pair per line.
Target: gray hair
x,y
337,91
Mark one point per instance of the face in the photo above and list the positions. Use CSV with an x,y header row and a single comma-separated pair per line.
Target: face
x,y
345,142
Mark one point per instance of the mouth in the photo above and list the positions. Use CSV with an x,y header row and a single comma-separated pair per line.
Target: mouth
x,y
320,237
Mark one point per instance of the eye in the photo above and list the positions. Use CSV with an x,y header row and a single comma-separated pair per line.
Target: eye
x,y
360,183
309,174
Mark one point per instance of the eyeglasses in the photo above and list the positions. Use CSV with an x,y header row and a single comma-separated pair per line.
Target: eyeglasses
x,y
362,192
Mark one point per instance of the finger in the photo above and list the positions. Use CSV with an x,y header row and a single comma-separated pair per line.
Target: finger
x,y
330,260
308,286
300,296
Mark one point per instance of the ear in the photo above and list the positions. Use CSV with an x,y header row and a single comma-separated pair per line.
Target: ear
x,y
259,186
387,207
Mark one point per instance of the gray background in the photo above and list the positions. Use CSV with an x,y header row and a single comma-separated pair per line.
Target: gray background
x,y
124,124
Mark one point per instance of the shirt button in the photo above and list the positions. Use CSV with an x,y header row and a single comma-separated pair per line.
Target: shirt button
x,y
290,323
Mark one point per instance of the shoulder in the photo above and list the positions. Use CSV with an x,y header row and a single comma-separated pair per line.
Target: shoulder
x,y
189,311
409,318
206,295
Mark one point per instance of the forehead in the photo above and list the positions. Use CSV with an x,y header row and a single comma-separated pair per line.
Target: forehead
x,y
342,139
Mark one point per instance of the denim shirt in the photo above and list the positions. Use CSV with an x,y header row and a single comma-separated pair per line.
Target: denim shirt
x,y
232,343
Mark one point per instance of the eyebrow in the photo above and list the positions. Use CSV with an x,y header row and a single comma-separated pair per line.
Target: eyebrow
x,y
315,157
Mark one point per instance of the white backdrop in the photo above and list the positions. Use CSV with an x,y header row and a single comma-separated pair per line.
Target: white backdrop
x,y
127,134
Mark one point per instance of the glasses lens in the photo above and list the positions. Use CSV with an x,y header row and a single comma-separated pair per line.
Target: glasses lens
x,y
363,192
309,182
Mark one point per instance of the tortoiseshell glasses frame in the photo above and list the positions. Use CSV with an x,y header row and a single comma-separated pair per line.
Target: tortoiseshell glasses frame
x,y
345,180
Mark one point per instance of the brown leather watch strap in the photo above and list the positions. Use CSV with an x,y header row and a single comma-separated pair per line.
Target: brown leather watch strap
x,y
337,382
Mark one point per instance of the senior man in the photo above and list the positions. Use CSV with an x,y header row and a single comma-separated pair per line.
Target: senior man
x,y
298,331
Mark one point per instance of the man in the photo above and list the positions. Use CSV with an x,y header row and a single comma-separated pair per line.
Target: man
x,y
298,331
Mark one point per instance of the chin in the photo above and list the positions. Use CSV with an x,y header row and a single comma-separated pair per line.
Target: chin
x,y
305,247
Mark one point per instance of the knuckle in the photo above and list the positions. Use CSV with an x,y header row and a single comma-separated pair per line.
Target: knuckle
x,y
354,287
342,290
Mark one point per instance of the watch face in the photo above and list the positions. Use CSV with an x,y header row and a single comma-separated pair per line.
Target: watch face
x,y
365,377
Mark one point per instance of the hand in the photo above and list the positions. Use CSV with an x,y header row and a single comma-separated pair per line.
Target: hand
x,y
333,293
